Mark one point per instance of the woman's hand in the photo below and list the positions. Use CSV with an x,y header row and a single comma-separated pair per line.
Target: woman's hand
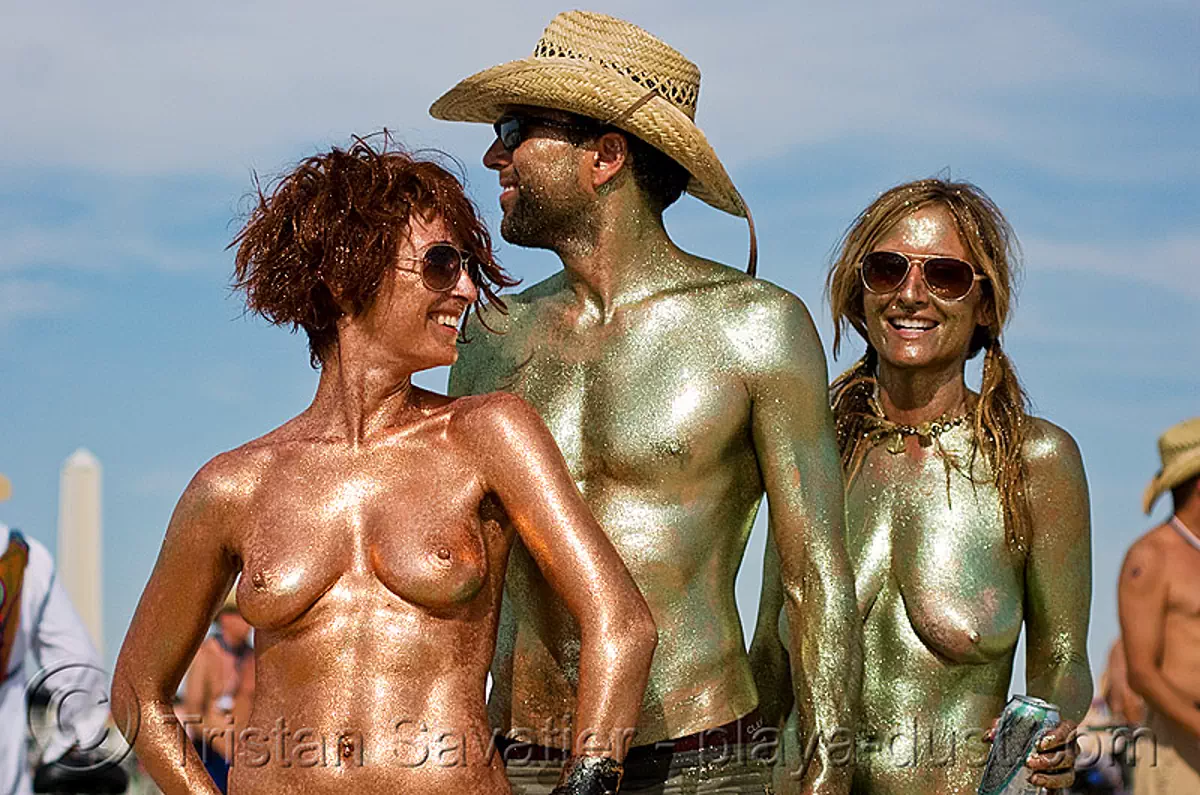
x,y
1053,761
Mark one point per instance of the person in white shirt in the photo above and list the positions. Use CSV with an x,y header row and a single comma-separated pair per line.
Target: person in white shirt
x,y
43,640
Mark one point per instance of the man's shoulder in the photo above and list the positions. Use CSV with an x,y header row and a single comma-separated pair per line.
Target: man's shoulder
x,y
523,304
551,286
209,648
766,325
491,323
1162,540
743,297
1147,557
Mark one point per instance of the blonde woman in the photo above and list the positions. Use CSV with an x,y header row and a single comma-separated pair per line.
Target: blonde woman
x,y
966,518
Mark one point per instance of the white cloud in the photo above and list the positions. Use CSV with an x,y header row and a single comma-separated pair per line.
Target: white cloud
x,y
1170,264
152,87
26,298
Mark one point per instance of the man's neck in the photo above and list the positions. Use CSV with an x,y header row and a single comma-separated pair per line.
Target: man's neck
x,y
632,257
1189,516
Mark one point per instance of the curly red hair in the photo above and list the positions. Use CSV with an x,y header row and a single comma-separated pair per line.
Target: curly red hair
x,y
335,223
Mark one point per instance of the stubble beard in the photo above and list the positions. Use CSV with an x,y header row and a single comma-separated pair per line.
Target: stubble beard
x,y
537,220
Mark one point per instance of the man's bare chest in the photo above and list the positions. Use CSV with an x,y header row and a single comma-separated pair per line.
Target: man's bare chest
x,y
1183,593
634,405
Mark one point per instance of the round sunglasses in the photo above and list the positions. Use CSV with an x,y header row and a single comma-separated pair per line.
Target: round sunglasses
x,y
946,277
441,265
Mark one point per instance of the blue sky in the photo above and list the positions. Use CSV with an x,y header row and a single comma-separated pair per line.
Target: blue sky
x,y
131,130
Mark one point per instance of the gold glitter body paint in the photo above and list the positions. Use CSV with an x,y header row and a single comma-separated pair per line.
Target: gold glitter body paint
x,y
675,413
943,598
680,391
371,534
944,586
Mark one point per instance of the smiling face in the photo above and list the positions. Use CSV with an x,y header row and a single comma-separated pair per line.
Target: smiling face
x,y
411,321
909,327
544,183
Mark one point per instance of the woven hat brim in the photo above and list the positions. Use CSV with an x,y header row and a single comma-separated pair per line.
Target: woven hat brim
x,y
579,87
1180,469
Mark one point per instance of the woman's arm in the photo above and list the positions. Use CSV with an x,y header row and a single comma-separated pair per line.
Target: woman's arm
x,y
523,467
194,572
1058,590
195,692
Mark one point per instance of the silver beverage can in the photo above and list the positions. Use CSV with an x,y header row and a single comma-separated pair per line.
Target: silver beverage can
x,y
1024,721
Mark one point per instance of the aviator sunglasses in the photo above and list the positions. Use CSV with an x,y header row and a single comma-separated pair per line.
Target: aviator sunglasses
x,y
513,130
946,277
441,265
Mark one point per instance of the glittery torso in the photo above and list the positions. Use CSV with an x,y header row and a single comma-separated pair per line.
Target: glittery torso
x,y
941,596
651,411
372,577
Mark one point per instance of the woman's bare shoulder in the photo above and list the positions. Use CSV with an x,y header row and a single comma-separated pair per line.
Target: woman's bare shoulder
x,y
1048,445
229,480
491,412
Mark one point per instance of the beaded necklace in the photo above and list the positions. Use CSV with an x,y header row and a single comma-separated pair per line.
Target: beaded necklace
x,y
894,433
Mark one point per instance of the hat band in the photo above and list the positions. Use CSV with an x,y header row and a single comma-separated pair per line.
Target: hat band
x,y
626,114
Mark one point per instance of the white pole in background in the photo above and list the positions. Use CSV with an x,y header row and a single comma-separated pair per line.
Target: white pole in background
x,y
79,563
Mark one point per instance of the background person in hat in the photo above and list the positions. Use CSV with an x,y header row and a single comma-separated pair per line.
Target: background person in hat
x,y
218,691
1159,599
679,389
37,620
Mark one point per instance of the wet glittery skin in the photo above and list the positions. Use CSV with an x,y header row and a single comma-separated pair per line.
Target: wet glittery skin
x,y
943,591
371,535
677,405
943,598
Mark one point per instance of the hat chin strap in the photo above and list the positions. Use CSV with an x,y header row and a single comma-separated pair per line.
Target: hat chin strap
x,y
752,266
624,115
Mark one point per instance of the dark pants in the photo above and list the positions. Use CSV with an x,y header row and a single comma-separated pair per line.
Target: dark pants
x,y
718,761
214,763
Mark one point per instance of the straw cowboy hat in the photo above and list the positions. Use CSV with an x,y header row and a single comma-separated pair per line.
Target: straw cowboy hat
x,y
612,71
5,487
1179,449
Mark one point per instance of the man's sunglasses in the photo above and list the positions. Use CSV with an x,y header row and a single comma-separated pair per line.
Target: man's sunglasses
x,y
513,130
946,277
441,265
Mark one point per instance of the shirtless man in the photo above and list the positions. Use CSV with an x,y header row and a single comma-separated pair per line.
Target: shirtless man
x,y
679,391
218,692
1159,597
